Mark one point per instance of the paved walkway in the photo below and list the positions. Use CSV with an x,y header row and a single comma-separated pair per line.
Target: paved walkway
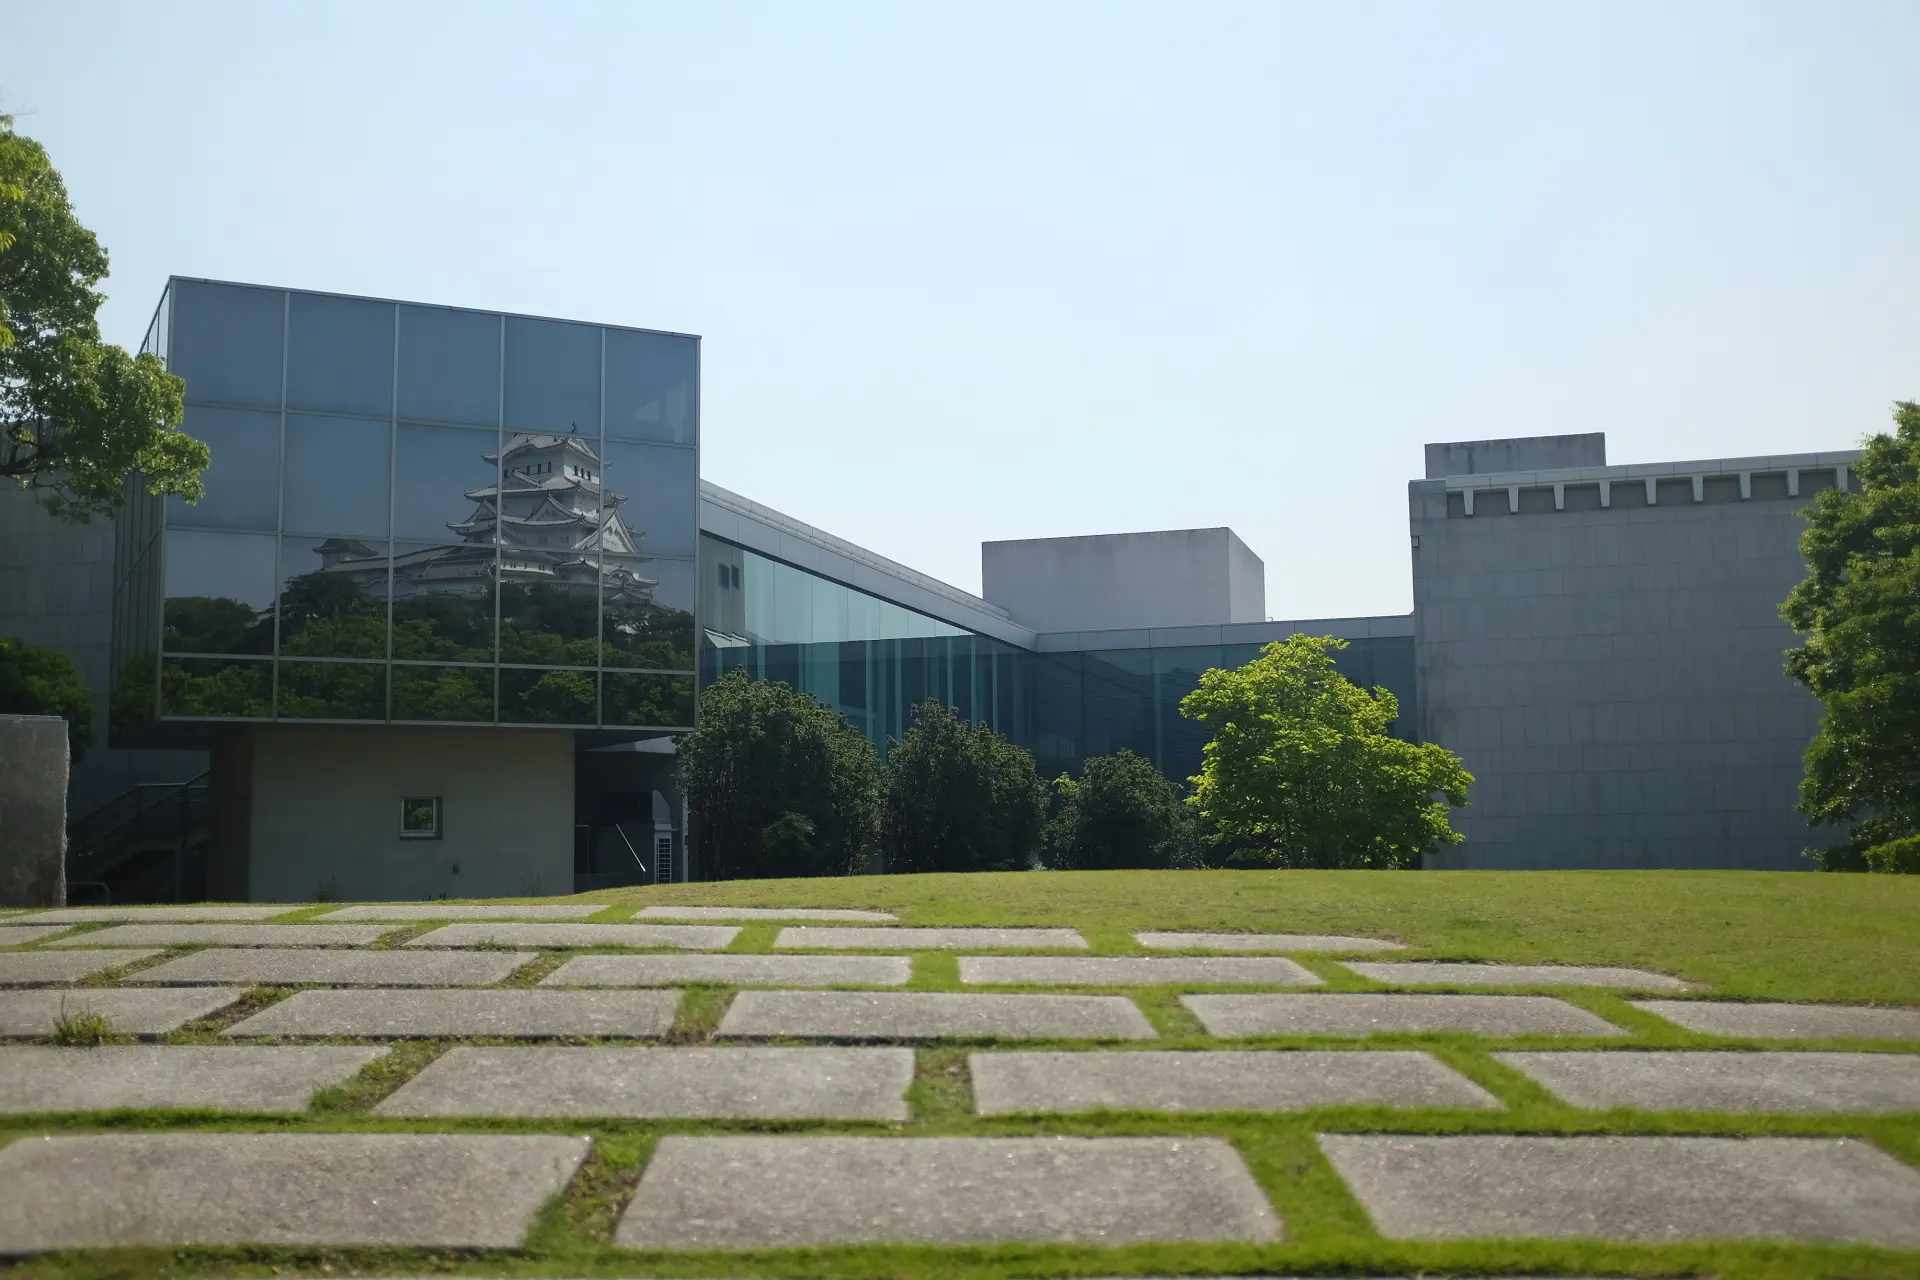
x,y
826,1062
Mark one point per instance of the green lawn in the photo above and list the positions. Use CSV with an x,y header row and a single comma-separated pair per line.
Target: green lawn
x,y
1784,936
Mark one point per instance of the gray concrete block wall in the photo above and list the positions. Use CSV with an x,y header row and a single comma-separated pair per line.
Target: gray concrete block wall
x,y
1613,677
1522,453
1166,578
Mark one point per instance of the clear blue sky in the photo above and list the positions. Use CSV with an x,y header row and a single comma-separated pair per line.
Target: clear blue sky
x,y
986,270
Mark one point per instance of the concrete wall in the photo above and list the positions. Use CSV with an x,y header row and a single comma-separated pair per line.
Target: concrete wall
x,y
1522,453
33,811
1171,578
1612,675
323,812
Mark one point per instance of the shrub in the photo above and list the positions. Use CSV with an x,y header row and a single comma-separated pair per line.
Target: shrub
x,y
959,797
1120,813
37,681
1898,857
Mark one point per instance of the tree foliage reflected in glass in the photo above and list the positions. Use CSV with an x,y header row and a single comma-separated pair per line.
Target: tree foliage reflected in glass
x,y
216,687
333,691
646,701
548,697
443,694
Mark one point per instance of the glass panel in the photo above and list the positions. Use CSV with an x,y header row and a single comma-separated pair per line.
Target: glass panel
x,y
339,471
219,592
443,694
340,355
449,365
664,702
545,621
216,687
553,377
1117,690
647,615
243,478
549,507
653,500
333,690
443,603
444,479
652,387
547,697
333,598
225,341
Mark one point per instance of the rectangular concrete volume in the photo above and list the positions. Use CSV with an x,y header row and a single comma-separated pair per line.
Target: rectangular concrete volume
x,y
472,1191
1723,1080
157,915
213,1077
467,911
685,937
264,967
718,1083
854,938
228,935
40,968
1368,1013
1787,1021
1053,1083
1263,942
1134,971
762,913
930,1015
732,970
1651,1189
1434,973
518,1014
129,1011
777,1192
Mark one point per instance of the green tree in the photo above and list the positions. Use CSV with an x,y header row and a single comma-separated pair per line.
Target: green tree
x,y
1859,609
1120,812
776,784
36,681
1301,771
959,797
77,414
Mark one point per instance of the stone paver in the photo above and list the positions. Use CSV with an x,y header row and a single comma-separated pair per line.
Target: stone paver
x,y
1224,1080
1651,1189
264,967
228,935
1414,973
157,915
1135,971
686,937
519,1014
1787,1021
1721,1080
37,1077
466,911
19,935
762,913
1369,1013
32,968
132,1011
433,1190
732,970
779,1192
1263,942
927,1015
725,1083
856,938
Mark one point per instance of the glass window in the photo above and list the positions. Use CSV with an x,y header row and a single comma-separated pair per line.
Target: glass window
x,y
225,341
216,687
548,697
449,365
653,500
333,597
243,477
219,592
443,603
339,472
420,818
553,377
647,616
653,384
444,695
547,609
444,481
641,701
333,690
340,355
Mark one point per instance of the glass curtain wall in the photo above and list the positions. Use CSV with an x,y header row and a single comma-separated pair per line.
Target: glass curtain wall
x,y
418,514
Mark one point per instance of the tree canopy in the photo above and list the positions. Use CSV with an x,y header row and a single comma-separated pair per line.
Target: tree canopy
x,y
959,797
1301,771
37,681
1119,813
1859,609
77,414
777,784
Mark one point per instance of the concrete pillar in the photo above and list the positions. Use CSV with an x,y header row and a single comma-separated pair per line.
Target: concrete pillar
x,y
33,811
